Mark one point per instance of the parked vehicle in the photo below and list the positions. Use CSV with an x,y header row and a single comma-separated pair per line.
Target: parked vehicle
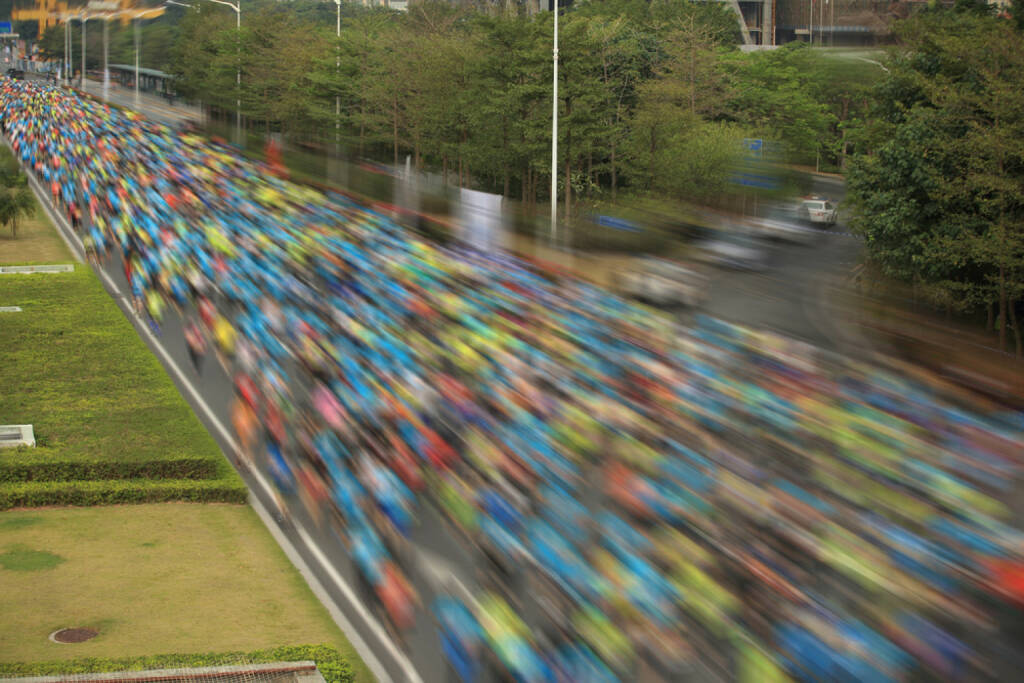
x,y
16,74
819,211
663,283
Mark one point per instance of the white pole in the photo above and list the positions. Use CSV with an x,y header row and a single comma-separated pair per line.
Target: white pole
x,y
85,18
106,70
238,72
554,134
137,46
337,97
64,70
811,24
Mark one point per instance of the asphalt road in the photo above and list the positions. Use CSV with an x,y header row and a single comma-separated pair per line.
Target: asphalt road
x,y
782,298
787,297
792,295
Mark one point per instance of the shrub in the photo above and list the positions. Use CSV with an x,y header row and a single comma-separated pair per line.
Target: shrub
x,y
121,491
333,667
25,466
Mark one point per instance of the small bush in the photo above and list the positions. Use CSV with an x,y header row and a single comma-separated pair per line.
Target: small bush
x,y
25,467
121,491
333,667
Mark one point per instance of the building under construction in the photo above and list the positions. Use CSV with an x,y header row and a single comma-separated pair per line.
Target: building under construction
x,y
821,22
51,12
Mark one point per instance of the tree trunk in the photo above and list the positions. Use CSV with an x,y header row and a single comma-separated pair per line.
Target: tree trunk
x,y
1016,330
526,183
650,161
615,177
842,138
444,168
568,190
1002,308
590,169
362,131
394,129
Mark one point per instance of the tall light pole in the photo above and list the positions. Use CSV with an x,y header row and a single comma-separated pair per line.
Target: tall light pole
x,y
554,134
85,18
237,7
67,38
337,96
138,42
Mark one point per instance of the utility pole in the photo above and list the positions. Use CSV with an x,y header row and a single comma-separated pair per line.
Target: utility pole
x,y
138,46
337,96
554,134
85,18
106,70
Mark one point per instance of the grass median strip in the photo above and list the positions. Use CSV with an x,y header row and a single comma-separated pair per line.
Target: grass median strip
x,y
101,405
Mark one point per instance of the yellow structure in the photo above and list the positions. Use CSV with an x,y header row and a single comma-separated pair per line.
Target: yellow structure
x,y
49,12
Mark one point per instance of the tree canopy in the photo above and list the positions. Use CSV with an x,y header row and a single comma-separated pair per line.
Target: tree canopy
x,y
940,198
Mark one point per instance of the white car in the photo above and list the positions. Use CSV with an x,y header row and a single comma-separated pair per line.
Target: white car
x,y
819,212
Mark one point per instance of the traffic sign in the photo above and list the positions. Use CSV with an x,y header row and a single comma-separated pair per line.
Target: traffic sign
x,y
618,223
5,27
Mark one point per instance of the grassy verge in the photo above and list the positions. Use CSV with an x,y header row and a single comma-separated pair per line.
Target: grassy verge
x,y
36,242
86,381
152,579
330,663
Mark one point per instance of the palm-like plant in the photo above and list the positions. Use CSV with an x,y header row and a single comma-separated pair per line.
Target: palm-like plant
x,y
14,205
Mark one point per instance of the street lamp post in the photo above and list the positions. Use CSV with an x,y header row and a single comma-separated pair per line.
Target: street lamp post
x,y
106,53
85,18
554,134
237,7
136,26
337,96
67,34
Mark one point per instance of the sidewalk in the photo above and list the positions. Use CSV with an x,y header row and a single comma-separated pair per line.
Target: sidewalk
x,y
152,106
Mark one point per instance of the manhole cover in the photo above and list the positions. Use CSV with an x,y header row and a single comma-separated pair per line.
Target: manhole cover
x,y
73,635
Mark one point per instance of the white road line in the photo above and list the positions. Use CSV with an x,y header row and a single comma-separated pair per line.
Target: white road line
x,y
364,651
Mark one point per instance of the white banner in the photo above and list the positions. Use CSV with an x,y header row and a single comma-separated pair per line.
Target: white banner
x,y
480,219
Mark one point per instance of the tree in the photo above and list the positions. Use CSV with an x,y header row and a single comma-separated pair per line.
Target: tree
x,y
15,204
940,200
774,94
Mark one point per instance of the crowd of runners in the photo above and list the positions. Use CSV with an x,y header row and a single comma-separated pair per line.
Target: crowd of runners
x,y
648,501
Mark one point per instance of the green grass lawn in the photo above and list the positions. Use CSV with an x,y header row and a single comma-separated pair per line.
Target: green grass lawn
x,y
85,380
36,242
153,579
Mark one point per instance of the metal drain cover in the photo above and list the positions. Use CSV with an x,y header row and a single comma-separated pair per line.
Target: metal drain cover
x,y
73,635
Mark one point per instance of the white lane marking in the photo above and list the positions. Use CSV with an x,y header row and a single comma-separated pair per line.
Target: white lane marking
x,y
440,572
379,672
365,652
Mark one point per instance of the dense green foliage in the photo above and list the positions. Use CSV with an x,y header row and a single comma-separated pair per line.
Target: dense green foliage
x,y
110,426
940,200
29,466
330,663
16,200
121,492
654,97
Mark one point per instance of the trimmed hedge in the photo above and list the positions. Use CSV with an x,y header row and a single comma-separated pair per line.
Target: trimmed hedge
x,y
122,491
25,466
333,667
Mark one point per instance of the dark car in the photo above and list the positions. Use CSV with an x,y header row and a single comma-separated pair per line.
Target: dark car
x,y
16,74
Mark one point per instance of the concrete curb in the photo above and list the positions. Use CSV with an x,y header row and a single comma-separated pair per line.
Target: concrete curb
x,y
233,672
